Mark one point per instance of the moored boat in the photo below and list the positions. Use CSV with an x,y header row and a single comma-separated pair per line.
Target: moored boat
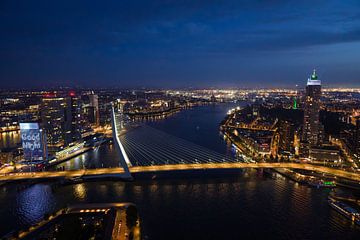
x,y
344,209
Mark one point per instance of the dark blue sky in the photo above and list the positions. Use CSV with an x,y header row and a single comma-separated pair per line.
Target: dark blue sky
x,y
169,43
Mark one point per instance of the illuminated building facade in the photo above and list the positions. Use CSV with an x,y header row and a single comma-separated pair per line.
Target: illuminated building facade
x,y
60,116
94,105
286,131
34,144
357,138
311,128
53,119
73,118
90,109
326,153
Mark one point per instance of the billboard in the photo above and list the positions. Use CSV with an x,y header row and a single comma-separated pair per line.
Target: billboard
x,y
33,140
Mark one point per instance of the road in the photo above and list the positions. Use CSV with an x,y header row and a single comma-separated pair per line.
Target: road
x,y
114,172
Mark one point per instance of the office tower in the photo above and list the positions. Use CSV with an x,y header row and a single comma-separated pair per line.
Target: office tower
x,y
60,116
94,104
54,120
73,118
311,111
357,137
90,108
286,132
105,111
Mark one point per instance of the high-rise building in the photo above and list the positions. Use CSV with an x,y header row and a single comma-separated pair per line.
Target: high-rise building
x,y
60,116
286,132
34,143
53,111
73,118
90,109
94,104
105,112
357,137
311,128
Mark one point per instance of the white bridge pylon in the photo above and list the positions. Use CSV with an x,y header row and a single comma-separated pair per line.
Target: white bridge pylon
x,y
124,159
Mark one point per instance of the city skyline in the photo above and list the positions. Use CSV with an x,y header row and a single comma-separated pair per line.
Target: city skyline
x,y
291,144
206,119
178,45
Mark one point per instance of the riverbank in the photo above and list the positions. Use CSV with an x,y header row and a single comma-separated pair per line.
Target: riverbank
x,y
55,162
305,179
153,114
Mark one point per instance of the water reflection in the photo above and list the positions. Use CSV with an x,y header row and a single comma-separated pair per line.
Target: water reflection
x,y
80,191
276,205
138,191
9,139
103,157
119,189
33,202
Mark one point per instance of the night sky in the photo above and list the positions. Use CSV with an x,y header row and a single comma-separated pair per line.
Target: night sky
x,y
169,43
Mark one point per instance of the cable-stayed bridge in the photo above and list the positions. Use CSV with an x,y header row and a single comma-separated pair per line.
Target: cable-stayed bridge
x,y
150,150
145,149
146,146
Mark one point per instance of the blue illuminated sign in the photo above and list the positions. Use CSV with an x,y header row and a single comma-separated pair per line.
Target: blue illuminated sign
x,y
33,141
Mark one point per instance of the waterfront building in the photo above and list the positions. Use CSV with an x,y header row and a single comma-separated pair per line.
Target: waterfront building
x,y
256,142
86,221
326,154
60,116
6,155
53,119
14,112
73,118
357,138
311,127
34,144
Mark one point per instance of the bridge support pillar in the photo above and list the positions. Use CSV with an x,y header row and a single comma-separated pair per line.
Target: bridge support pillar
x,y
124,159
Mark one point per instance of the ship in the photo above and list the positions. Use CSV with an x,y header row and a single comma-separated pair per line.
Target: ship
x,y
345,210
321,183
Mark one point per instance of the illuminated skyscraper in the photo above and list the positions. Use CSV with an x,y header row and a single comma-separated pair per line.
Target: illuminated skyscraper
x,y
60,117
311,128
91,108
94,103
73,118
357,138
54,120
286,136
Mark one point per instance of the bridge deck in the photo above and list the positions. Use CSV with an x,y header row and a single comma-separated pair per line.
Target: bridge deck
x,y
112,172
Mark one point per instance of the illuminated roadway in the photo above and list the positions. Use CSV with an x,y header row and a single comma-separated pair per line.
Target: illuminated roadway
x,y
115,172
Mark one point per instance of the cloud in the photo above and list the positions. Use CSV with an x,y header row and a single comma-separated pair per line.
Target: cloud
x,y
73,36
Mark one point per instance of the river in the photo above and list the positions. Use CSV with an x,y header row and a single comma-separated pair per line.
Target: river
x,y
238,204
